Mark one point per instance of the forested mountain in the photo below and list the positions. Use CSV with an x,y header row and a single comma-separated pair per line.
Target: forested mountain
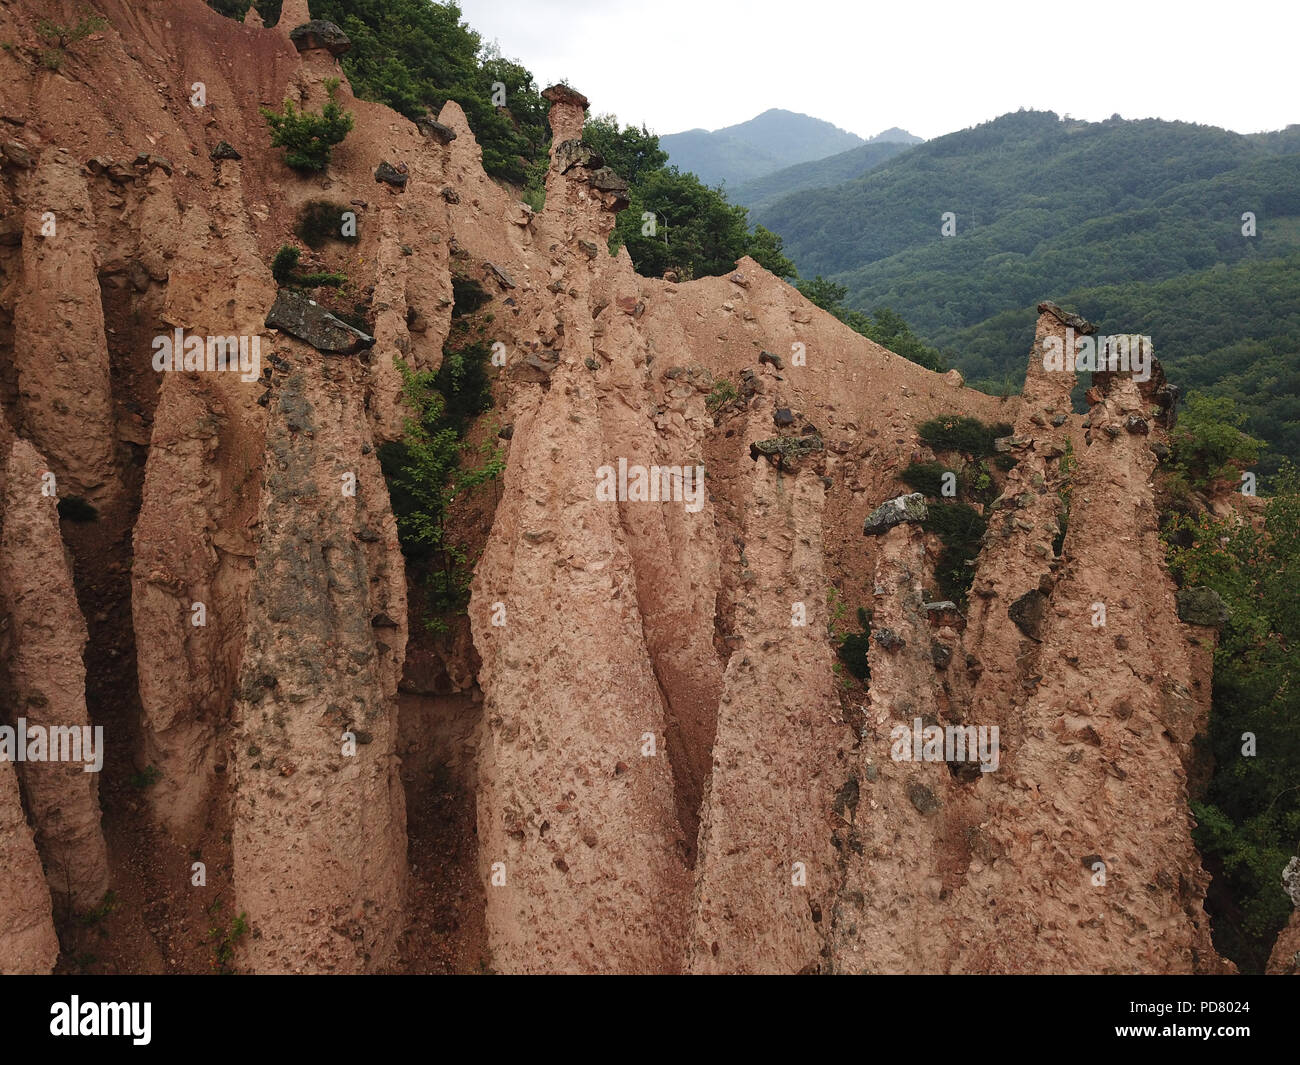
x,y
896,135
1136,224
769,142
763,192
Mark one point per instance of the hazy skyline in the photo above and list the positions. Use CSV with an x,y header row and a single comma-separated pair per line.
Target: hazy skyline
x,y
683,64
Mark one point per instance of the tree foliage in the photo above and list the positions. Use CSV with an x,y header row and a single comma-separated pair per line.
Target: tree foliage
x,y
308,137
674,221
1208,444
960,528
956,432
415,55
1249,819
632,152
426,471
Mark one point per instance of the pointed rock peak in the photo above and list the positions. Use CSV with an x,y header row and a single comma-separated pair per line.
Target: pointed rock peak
x,y
453,117
466,147
293,13
252,18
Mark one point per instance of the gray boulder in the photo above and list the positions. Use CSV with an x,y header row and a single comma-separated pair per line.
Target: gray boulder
x,y
394,175
905,508
787,453
302,317
431,127
576,152
320,34
1028,611
224,150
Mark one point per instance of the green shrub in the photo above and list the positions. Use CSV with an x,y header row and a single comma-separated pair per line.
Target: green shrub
x,y
973,483
146,777
723,393
850,647
956,432
320,221
106,908
853,653
285,263
467,296
329,279
534,193
284,269
960,528
59,37
223,940
927,477
308,137
425,473
1207,443
462,381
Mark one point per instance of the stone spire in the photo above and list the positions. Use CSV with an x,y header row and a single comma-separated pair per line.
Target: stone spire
x,y
252,18
578,176
568,112
293,13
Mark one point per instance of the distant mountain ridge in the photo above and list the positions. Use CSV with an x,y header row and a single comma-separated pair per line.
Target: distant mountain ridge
x,y
894,135
764,144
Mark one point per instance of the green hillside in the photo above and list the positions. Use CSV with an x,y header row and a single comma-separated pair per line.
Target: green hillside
x,y
1136,224
762,192
1228,330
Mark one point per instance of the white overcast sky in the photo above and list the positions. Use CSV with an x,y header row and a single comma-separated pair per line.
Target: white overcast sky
x,y
930,67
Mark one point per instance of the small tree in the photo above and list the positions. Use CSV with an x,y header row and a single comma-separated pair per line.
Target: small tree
x,y
61,36
308,137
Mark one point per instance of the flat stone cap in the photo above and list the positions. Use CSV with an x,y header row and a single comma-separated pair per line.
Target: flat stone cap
x,y
562,94
320,34
1079,325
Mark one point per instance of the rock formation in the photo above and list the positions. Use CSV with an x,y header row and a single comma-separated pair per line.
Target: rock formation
x,y
665,769
28,943
46,682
